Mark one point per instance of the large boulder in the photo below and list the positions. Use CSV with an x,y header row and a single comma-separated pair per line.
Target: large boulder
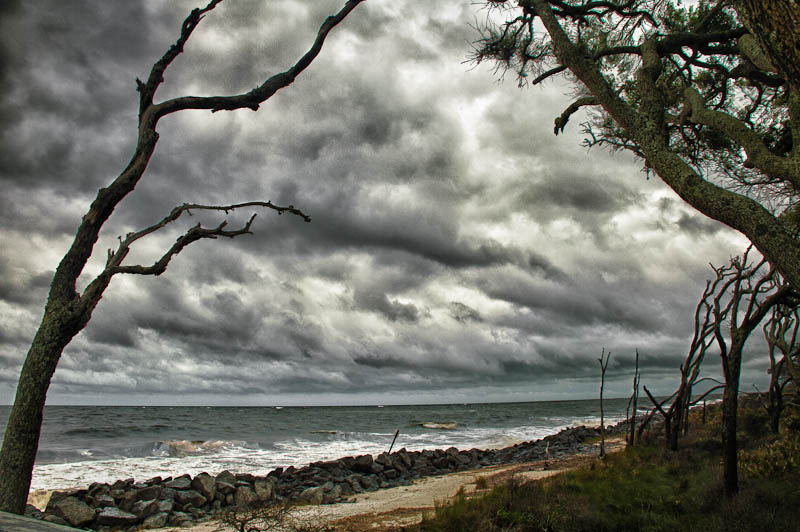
x,y
313,495
74,511
206,485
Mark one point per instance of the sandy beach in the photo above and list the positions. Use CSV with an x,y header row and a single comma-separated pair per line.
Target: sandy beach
x,y
406,505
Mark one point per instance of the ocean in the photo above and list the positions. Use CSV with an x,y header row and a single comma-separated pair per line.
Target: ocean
x,y
84,444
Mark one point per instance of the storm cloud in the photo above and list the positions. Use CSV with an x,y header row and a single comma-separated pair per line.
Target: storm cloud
x,y
458,249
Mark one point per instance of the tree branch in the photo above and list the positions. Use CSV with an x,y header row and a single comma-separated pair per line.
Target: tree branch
x,y
252,99
94,290
561,121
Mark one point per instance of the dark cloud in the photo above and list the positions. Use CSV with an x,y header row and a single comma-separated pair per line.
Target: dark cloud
x,y
393,310
455,241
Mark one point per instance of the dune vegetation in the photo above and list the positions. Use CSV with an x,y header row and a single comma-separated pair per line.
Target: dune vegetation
x,y
651,488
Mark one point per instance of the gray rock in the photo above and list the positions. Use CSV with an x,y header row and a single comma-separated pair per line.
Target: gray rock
x,y
115,517
179,518
56,520
370,482
166,506
149,492
102,500
190,498
227,476
144,509
206,485
354,482
363,463
158,520
225,488
74,511
332,495
181,483
313,495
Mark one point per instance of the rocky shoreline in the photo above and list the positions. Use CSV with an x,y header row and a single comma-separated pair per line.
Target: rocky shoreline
x,y
159,502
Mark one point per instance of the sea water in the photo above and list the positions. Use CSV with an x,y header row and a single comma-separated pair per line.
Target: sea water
x,y
84,444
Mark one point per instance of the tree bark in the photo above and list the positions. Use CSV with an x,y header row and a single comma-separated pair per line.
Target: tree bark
x,y
59,325
775,24
730,407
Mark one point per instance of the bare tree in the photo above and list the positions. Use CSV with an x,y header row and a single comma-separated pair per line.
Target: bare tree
x,y
781,333
67,311
603,360
633,403
682,87
745,294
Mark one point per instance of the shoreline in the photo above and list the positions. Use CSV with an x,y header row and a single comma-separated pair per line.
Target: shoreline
x,y
402,506
384,479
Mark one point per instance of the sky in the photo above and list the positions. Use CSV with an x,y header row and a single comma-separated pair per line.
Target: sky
x,y
458,250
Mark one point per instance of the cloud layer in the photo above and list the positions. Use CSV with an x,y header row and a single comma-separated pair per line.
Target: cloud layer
x,y
458,250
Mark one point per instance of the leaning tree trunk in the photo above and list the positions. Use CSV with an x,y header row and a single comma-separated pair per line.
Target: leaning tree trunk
x,y
59,325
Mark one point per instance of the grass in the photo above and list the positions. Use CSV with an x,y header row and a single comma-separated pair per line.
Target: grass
x,y
649,489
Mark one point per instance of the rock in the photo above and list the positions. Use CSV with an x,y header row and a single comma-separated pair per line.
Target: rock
x,y
245,477
384,460
313,495
332,495
149,492
179,518
181,483
165,506
354,482
363,463
206,485
243,496
227,476
225,488
56,520
158,520
370,482
102,500
74,511
116,517
144,509
263,489
190,498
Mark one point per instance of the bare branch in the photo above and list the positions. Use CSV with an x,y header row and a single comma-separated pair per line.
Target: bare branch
x,y
561,121
252,99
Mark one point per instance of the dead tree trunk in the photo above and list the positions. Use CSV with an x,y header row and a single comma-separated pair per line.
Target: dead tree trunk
x,y
603,366
633,403
67,312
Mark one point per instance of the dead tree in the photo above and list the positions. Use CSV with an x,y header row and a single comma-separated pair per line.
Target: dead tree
x,y
781,334
745,295
604,358
67,311
633,402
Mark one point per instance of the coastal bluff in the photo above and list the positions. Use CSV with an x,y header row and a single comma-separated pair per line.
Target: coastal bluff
x,y
158,502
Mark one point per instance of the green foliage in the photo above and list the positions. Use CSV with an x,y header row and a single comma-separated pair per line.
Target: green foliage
x,y
777,458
